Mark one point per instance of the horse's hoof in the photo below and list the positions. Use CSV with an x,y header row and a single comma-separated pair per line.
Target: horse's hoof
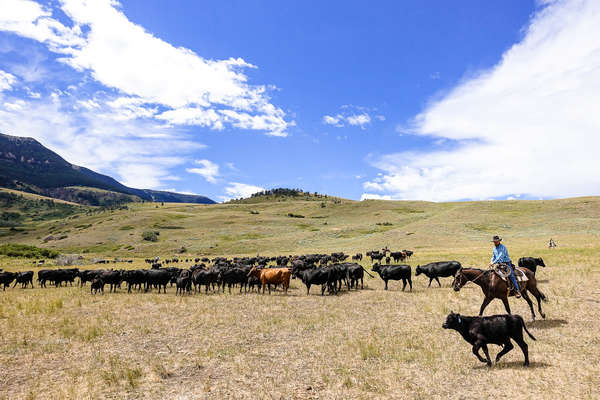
x,y
526,364
489,364
544,316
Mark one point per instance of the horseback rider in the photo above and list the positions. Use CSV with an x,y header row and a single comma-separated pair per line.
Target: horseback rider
x,y
500,256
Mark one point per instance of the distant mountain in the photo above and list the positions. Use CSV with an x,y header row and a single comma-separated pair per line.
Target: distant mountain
x,y
25,164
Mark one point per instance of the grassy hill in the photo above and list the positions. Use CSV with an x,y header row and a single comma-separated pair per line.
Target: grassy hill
x,y
294,226
367,344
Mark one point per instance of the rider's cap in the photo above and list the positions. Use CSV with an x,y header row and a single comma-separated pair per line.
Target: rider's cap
x,y
496,239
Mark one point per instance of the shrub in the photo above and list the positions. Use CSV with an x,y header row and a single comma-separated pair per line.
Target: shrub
x,y
151,236
23,250
254,212
126,228
292,215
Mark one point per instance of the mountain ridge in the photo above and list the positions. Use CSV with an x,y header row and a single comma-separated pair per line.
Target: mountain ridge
x,y
26,164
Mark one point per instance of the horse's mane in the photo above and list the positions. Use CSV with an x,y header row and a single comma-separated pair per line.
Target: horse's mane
x,y
475,269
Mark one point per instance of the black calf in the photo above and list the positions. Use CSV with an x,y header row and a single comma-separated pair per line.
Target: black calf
x,y
496,329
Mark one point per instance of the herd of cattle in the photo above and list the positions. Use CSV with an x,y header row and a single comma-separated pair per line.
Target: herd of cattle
x,y
329,271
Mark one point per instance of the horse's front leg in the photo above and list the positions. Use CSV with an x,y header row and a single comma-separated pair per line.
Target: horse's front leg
x,y
506,305
486,301
528,300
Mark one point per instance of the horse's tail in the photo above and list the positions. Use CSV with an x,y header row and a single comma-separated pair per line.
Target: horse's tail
x,y
525,327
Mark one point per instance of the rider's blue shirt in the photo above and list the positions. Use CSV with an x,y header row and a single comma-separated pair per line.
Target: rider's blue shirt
x,y
500,254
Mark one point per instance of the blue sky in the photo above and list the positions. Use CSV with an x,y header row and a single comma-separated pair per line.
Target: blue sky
x,y
430,100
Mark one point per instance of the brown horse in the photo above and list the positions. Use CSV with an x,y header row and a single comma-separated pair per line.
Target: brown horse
x,y
494,287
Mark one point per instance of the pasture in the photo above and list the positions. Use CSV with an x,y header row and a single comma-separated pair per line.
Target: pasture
x,y
65,343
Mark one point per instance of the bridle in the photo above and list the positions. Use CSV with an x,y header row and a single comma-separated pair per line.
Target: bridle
x,y
460,272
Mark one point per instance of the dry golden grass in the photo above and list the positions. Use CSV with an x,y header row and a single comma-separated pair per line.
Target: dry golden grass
x,y
66,343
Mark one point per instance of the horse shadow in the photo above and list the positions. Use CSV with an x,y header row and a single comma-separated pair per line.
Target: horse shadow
x,y
547,323
514,365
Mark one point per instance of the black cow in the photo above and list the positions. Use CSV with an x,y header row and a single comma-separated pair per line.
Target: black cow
x,y
97,285
531,263
88,275
398,256
394,273
376,256
233,276
6,279
184,282
205,277
440,269
134,278
112,278
496,329
24,278
157,278
315,276
356,272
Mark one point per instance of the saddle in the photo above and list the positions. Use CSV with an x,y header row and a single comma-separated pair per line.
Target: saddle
x,y
502,271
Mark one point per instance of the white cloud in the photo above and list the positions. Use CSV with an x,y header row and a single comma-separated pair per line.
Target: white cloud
x,y
528,125
353,116
359,120
6,80
237,190
373,196
209,170
335,121
31,20
123,56
126,150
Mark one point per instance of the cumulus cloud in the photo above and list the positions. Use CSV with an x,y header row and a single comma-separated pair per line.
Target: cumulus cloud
x,y
236,190
529,125
150,72
208,170
92,137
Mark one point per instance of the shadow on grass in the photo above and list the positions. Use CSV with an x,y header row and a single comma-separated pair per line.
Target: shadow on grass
x,y
547,323
514,365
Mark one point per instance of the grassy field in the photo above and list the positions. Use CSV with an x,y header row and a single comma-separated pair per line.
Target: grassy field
x,y
65,343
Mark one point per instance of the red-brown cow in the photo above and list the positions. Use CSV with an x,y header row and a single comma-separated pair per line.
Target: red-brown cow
x,y
272,276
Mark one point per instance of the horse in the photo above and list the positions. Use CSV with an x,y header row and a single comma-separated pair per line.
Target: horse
x,y
494,287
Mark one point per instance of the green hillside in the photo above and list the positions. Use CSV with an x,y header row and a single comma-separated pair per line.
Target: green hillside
x,y
294,226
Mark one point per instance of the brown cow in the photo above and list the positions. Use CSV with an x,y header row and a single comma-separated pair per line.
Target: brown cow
x,y
272,276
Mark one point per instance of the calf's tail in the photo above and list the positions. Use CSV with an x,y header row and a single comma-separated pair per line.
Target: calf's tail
x,y
367,272
525,328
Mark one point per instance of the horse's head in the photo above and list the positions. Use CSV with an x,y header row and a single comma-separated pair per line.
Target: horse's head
x,y
459,280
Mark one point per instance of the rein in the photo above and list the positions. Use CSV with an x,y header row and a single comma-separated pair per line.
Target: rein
x,y
473,280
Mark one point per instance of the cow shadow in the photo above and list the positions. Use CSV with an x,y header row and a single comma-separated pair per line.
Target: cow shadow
x,y
514,365
547,323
